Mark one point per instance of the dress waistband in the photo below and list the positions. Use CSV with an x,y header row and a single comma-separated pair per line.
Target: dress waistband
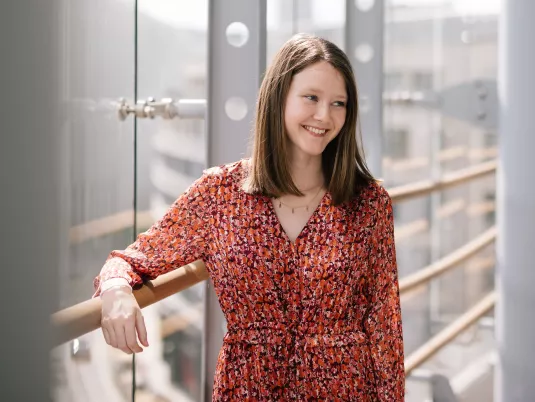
x,y
278,336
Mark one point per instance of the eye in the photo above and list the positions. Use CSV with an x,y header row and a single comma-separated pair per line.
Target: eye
x,y
313,98
339,104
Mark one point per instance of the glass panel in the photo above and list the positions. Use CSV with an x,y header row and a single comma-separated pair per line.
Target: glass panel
x,y
288,17
442,55
172,63
97,53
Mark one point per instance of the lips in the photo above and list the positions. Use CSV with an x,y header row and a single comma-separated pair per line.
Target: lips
x,y
316,132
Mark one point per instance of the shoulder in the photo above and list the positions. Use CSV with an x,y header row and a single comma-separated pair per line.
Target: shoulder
x,y
222,178
378,194
216,184
372,204
228,169
372,195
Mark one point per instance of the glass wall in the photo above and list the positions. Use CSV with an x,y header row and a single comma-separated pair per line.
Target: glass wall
x,y
97,69
440,112
289,17
172,63
121,175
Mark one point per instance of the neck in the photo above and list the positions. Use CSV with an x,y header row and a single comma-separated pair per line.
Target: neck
x,y
307,172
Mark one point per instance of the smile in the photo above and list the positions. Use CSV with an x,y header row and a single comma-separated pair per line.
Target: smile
x,y
315,131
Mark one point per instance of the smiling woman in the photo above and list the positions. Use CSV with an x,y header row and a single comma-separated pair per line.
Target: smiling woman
x,y
298,241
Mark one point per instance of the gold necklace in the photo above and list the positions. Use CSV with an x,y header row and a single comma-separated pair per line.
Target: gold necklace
x,y
302,206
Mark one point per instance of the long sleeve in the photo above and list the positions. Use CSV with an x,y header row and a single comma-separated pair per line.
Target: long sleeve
x,y
383,320
181,236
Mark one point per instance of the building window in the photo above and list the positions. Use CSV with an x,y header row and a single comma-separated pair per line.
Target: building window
x,y
397,143
422,81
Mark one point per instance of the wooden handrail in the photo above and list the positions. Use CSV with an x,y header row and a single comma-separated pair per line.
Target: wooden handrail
x,y
108,225
444,337
84,317
450,261
426,187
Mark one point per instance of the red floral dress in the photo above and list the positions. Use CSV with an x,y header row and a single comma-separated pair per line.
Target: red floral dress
x,y
315,319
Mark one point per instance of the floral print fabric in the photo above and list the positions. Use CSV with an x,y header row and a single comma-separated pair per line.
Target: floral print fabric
x,y
314,319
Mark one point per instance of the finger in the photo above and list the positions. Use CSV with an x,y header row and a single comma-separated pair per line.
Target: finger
x,y
111,335
141,329
121,338
131,339
106,335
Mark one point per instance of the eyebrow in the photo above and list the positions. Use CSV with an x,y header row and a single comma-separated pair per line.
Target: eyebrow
x,y
312,89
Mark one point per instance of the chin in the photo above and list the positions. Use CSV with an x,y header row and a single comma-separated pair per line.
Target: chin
x,y
313,152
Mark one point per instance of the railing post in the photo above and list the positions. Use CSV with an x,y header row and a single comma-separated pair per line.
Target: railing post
x,y
237,54
441,389
516,204
364,47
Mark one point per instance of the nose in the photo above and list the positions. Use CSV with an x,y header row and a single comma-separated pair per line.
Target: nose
x,y
322,112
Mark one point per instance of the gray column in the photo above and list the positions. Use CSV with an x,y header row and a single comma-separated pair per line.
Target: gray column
x,y
29,191
516,204
364,47
237,56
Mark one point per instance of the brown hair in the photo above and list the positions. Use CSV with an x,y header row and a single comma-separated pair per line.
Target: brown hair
x,y
344,167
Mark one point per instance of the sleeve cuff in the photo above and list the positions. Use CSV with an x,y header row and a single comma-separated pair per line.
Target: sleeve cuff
x,y
115,272
110,283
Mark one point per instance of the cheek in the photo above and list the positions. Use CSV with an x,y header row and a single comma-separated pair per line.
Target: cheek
x,y
340,119
294,112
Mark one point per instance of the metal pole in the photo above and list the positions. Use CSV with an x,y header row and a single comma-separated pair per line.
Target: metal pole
x,y
237,58
436,172
516,205
364,47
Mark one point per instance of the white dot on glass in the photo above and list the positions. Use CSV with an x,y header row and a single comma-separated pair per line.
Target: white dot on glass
x,y
236,108
237,34
364,104
364,53
364,5
466,36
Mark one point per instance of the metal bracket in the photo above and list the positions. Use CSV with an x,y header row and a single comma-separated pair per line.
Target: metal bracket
x,y
475,102
166,108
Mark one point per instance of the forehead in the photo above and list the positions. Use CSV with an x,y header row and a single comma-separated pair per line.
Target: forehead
x,y
321,76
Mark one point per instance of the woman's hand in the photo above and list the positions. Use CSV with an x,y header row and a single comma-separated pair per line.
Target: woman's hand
x,y
122,319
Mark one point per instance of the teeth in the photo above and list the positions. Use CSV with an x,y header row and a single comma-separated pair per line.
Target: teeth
x,y
315,130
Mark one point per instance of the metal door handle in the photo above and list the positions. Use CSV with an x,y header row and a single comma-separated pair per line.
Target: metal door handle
x,y
166,108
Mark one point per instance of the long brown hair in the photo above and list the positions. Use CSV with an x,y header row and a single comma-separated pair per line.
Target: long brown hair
x,y
344,167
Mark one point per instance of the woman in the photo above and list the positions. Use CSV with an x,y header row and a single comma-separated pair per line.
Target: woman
x,y
298,241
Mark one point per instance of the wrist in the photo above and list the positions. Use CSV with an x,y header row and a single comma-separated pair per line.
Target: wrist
x,y
115,284
116,292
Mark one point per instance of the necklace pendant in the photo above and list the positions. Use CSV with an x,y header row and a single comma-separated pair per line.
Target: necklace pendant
x,y
280,204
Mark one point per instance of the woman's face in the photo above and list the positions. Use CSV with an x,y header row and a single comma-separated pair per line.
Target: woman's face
x,y
315,109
